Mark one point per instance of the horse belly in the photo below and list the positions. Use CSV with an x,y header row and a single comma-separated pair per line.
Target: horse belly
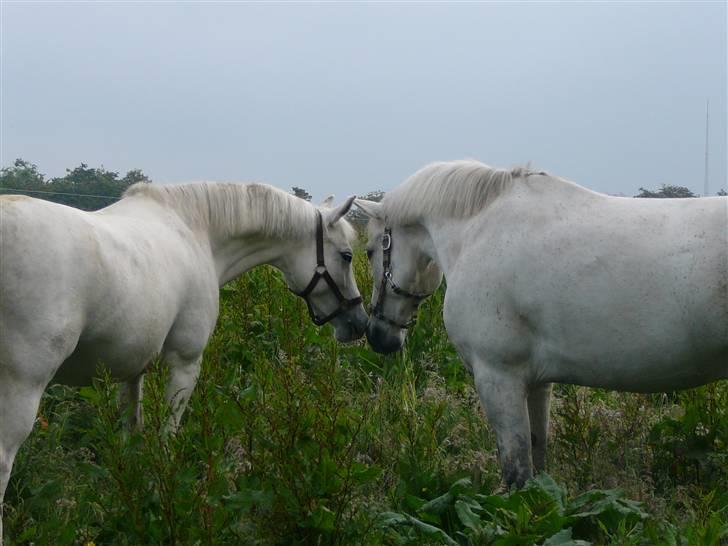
x,y
634,317
124,329
127,342
123,361
623,368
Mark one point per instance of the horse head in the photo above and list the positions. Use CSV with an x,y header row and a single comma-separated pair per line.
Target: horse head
x,y
320,271
403,276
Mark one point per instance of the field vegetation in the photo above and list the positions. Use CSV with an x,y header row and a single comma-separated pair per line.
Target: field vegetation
x,y
291,438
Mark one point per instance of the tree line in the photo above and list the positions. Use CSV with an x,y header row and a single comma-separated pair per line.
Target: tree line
x,y
82,187
667,190
89,188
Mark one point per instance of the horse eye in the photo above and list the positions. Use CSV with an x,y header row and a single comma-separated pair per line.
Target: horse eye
x,y
347,256
370,253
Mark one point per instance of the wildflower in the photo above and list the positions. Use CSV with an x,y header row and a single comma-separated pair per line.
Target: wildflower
x,y
43,422
66,504
676,412
701,430
363,458
235,449
86,454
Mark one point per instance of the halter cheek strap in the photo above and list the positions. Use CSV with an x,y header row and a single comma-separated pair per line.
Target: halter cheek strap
x,y
387,279
322,273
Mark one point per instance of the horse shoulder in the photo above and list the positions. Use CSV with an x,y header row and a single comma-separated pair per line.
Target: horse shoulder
x,y
148,270
195,319
480,312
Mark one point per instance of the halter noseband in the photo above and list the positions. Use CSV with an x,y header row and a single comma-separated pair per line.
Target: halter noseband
x,y
322,273
378,311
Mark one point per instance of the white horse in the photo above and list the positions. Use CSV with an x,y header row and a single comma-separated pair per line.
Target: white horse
x,y
550,282
141,278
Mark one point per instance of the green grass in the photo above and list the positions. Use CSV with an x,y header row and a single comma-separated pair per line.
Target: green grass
x,y
291,438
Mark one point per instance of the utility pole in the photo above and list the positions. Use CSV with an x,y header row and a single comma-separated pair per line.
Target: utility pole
x,y
706,185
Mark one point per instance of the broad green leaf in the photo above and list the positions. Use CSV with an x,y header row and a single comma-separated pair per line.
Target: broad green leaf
x,y
432,531
322,519
467,517
563,538
545,483
439,504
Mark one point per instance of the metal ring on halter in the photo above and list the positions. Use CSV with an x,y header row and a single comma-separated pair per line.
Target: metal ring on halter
x,y
322,273
387,278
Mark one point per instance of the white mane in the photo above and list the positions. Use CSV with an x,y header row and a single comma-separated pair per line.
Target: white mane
x,y
231,209
454,189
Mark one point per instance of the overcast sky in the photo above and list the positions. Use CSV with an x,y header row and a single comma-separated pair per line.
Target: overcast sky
x,y
351,97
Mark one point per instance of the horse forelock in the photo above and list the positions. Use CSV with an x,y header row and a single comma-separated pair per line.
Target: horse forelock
x,y
450,189
232,209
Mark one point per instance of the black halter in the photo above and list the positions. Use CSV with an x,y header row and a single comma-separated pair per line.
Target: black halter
x,y
322,273
388,280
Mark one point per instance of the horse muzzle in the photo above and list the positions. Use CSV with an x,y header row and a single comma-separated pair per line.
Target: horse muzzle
x,y
350,325
383,337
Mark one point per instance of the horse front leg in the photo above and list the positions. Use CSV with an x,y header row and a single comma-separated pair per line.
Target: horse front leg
x,y
539,402
504,399
19,403
183,374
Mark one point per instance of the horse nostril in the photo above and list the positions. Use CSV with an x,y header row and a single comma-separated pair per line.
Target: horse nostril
x,y
381,339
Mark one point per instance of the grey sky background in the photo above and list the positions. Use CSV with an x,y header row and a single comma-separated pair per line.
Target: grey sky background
x,y
351,97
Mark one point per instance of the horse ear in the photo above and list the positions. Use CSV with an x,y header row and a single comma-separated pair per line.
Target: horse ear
x,y
370,208
334,215
326,203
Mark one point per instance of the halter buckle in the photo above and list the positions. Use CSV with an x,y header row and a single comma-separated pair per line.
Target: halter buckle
x,y
386,241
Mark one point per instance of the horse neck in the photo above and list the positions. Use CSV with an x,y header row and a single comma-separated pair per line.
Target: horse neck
x,y
255,242
233,256
443,241
234,249
450,237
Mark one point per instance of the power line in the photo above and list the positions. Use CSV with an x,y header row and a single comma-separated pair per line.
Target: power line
x,y
112,198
